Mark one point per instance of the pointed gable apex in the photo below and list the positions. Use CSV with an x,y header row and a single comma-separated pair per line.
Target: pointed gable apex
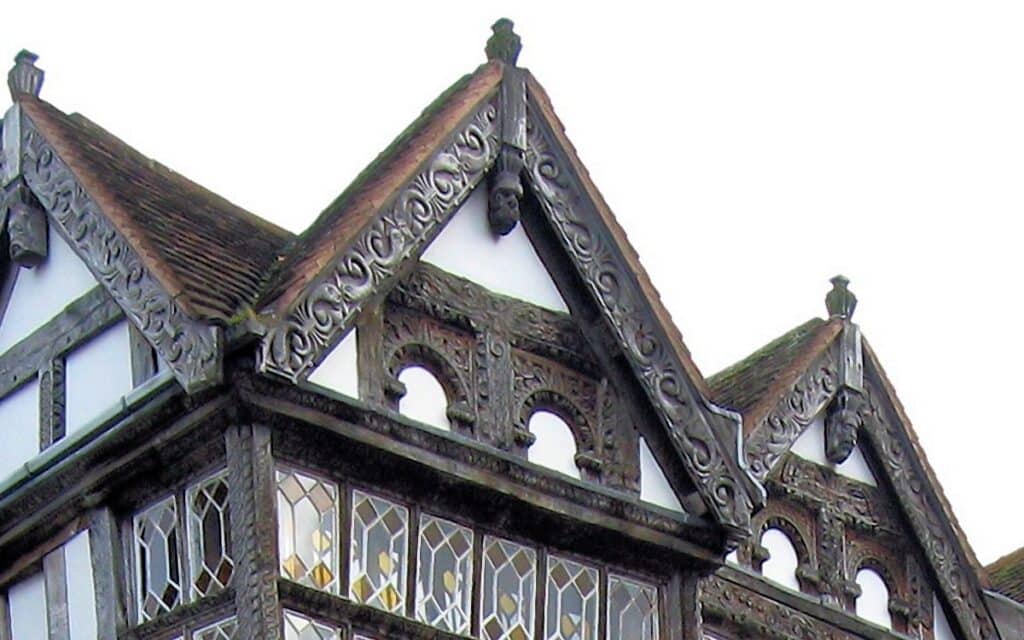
x,y
365,242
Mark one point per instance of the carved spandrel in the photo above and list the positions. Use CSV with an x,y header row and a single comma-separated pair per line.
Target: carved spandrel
x,y
593,251
788,420
381,253
191,349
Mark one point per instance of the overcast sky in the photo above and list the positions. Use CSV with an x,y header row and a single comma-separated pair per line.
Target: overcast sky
x,y
750,149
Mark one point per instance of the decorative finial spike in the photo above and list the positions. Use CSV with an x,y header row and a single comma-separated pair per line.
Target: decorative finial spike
x,y
840,301
504,44
25,76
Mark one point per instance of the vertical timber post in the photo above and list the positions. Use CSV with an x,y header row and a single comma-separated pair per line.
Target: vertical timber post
x,y
253,530
108,574
689,592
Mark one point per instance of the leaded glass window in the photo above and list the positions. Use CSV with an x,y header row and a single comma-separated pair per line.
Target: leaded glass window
x,y
299,627
508,585
379,550
632,609
209,535
445,575
156,559
307,527
223,630
572,601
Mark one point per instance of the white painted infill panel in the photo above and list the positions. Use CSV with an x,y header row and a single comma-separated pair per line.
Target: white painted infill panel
x,y
81,594
811,446
555,446
41,293
654,486
873,603
508,265
782,562
99,373
19,427
340,369
27,602
943,630
424,398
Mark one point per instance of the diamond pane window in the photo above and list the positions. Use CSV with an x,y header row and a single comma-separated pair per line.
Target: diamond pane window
x,y
223,630
632,609
445,579
307,527
299,627
158,573
379,550
572,601
209,535
507,590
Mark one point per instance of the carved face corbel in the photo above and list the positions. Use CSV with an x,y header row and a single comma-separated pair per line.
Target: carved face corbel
x,y
505,193
26,226
842,425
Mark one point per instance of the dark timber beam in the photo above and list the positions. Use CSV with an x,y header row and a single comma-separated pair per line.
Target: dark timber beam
x,y
108,574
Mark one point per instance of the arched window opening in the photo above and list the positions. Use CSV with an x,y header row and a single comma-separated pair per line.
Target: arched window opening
x,y
555,446
782,561
424,399
873,603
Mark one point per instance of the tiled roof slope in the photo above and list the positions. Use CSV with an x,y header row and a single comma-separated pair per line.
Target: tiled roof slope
x,y
314,248
1007,575
753,385
209,254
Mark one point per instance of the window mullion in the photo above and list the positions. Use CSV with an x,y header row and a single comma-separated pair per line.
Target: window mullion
x,y
540,605
412,560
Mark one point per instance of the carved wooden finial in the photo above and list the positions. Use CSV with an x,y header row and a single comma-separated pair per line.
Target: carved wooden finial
x,y
504,44
840,301
25,76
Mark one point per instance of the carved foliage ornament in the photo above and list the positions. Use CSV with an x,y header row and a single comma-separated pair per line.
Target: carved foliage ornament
x,y
190,348
613,286
316,321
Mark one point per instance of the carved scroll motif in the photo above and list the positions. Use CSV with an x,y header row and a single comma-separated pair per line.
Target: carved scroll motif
x,y
922,509
190,348
316,320
614,288
763,617
784,424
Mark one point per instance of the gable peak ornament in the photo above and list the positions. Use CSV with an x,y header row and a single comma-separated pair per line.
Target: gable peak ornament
x,y
25,76
840,301
504,44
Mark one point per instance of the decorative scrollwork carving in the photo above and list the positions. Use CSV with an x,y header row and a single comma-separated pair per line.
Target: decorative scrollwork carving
x,y
784,424
923,510
190,348
616,292
540,384
377,255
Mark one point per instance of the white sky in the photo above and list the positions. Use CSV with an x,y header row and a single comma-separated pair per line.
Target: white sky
x,y
750,149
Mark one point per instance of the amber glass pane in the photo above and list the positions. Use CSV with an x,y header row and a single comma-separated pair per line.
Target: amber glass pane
x,y
307,525
445,574
379,550
158,574
299,627
632,609
572,601
508,585
209,534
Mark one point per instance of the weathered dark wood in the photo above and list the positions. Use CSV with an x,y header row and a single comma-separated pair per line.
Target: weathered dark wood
x,y
81,320
189,615
691,621
5,620
143,357
52,401
108,574
370,360
56,585
251,495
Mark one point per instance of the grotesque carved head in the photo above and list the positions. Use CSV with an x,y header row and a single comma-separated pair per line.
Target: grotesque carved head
x,y
842,424
503,213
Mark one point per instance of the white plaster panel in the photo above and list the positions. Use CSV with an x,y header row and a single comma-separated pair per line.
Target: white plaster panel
x,y
340,369
811,446
873,603
424,398
81,596
27,601
654,486
782,562
19,427
99,373
41,293
733,557
504,264
555,446
943,630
